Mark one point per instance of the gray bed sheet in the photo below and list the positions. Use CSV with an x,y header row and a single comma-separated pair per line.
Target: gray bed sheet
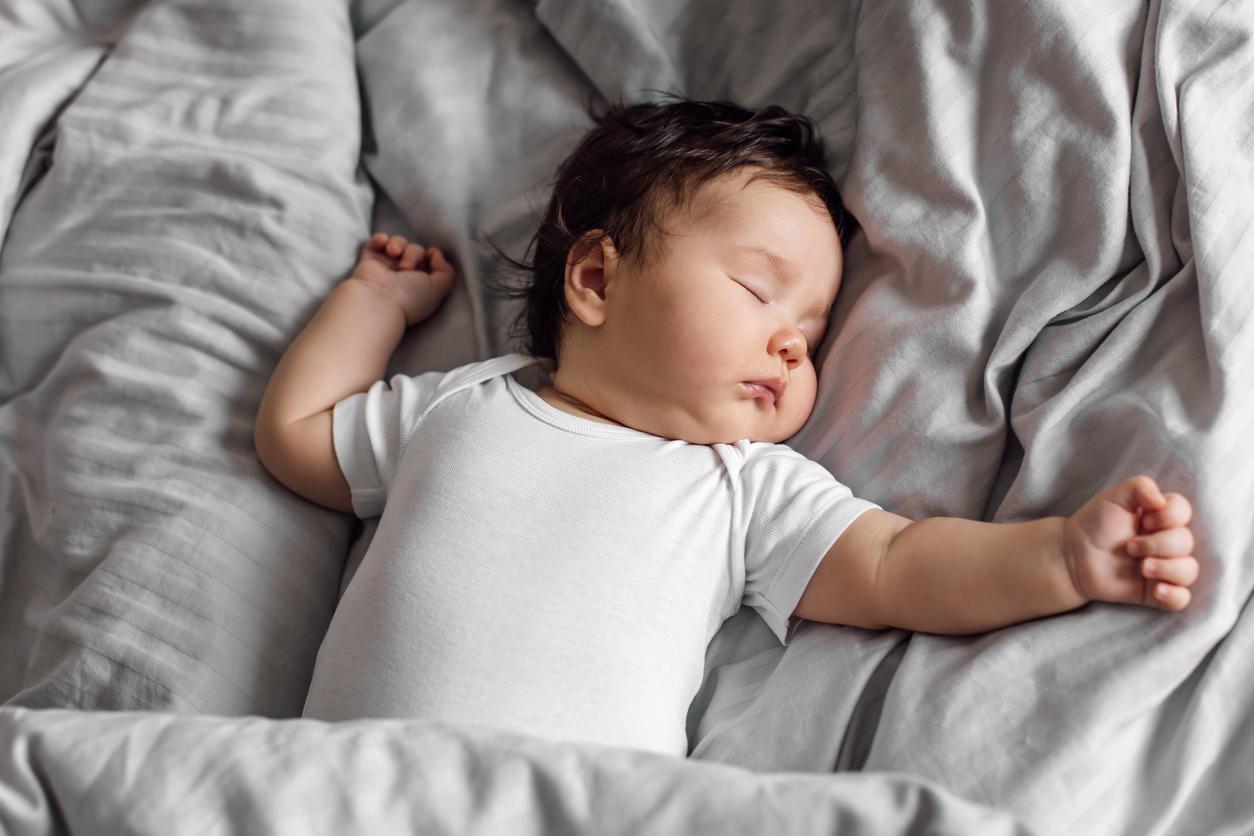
x,y
160,774
1051,291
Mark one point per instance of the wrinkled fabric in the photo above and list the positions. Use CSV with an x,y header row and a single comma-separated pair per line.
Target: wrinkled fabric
x,y
1049,293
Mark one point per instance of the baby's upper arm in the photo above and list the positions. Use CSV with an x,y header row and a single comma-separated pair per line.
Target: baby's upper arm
x,y
844,589
301,455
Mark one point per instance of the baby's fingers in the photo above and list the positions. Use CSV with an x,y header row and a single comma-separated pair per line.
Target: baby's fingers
x,y
375,246
412,255
1170,542
440,270
1134,493
1168,597
395,245
1176,512
1181,571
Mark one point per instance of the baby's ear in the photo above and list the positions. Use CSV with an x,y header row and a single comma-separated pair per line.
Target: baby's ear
x,y
609,252
586,246
585,276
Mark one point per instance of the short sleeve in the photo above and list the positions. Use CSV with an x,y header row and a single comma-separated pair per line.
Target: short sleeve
x,y
793,511
370,431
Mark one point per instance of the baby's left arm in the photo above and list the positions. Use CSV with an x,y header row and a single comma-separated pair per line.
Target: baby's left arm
x,y
1129,544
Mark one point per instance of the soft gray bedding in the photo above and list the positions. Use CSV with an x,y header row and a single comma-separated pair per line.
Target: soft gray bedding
x,y
116,772
1051,291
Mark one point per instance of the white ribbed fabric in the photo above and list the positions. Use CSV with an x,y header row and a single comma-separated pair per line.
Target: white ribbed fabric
x,y
544,573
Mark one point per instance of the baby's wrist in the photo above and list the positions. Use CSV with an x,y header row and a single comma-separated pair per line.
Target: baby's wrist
x,y
379,292
1068,559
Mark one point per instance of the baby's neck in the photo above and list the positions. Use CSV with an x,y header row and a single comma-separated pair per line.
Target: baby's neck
x,y
572,406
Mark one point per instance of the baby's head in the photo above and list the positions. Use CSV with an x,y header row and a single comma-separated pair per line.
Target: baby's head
x,y
689,248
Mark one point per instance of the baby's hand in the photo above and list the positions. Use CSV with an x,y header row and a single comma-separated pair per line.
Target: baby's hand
x,y
415,277
1131,544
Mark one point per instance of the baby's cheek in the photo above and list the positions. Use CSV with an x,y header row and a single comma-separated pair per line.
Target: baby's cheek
x,y
800,405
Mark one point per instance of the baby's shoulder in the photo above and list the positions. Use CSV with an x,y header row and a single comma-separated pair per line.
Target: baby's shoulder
x,y
479,371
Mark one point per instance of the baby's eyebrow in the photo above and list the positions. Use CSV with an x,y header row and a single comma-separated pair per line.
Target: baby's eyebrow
x,y
782,267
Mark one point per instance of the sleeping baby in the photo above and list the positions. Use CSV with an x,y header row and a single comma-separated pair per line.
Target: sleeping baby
x,y
562,531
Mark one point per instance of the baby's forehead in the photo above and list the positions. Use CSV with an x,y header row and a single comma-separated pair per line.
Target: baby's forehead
x,y
758,219
715,202
748,205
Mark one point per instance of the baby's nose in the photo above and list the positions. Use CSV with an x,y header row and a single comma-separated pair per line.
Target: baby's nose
x,y
791,343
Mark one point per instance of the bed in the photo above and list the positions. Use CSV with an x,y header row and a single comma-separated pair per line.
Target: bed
x,y
1050,290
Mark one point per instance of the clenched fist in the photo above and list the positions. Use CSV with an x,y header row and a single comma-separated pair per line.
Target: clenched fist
x,y
415,277
1131,544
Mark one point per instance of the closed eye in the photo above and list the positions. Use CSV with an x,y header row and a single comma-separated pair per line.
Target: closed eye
x,y
753,292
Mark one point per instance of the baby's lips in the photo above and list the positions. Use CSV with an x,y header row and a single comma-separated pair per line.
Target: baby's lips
x,y
764,389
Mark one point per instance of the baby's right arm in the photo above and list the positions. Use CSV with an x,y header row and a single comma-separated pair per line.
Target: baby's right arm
x,y
342,351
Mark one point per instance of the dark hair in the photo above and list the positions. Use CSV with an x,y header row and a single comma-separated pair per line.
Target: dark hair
x,y
642,161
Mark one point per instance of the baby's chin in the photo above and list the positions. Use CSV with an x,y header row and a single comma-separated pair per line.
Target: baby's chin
x,y
784,425
773,438
754,431
721,426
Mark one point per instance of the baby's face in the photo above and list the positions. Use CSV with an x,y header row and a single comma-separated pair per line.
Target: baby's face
x,y
684,335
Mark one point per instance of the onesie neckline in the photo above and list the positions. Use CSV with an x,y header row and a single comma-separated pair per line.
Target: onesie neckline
x,y
549,414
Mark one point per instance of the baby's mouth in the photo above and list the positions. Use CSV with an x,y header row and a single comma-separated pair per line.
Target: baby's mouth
x,y
767,390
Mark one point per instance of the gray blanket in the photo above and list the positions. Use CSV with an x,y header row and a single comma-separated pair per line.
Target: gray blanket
x,y
1051,291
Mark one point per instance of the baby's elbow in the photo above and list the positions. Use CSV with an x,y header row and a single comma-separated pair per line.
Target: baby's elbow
x,y
302,458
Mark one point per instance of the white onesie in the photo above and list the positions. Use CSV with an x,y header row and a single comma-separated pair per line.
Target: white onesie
x,y
543,573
